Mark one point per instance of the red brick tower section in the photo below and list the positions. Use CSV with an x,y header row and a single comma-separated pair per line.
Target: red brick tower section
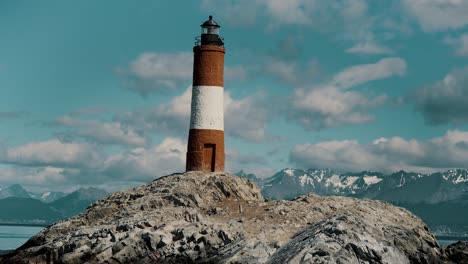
x,y
205,150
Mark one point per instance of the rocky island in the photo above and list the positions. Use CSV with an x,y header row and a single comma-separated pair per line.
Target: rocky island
x,y
200,217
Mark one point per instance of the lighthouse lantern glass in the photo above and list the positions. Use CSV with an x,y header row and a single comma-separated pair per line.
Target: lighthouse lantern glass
x,y
210,30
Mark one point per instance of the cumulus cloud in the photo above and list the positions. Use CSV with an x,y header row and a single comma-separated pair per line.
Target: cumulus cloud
x,y
438,15
331,104
174,116
385,154
460,44
54,163
54,153
247,117
171,117
293,12
291,72
111,133
32,176
153,72
148,163
445,101
348,20
360,74
369,48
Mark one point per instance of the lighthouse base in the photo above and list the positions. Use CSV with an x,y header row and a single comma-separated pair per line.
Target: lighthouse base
x,y
205,150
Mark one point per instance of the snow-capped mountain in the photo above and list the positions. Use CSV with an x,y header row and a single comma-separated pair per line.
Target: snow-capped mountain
x,y
18,191
397,187
410,187
290,183
440,199
15,190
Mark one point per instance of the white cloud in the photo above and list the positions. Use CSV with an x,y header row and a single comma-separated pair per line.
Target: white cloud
x,y
348,20
174,116
148,163
330,105
369,48
159,71
53,163
292,12
112,133
438,15
460,44
247,117
54,153
360,74
32,176
386,154
445,101
290,71
171,117
155,72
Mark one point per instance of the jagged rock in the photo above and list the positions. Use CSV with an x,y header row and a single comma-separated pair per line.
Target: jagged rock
x,y
218,218
458,252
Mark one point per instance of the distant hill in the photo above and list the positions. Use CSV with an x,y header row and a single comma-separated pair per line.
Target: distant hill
x,y
250,176
77,201
15,190
47,197
27,210
20,207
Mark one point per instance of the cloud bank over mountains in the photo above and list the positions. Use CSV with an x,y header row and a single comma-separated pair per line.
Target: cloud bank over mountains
x,y
386,154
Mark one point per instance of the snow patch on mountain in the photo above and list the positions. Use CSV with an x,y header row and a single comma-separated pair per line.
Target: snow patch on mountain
x,y
369,180
45,195
305,179
334,181
289,172
350,180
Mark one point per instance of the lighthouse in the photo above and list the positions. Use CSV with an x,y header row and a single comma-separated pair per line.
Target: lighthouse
x,y
205,149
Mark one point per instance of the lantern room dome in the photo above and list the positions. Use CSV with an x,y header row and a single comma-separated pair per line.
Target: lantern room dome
x,y
210,23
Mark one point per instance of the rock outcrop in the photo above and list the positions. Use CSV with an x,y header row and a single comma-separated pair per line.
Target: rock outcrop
x,y
218,218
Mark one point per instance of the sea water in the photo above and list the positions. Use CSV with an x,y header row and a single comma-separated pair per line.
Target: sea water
x,y
14,236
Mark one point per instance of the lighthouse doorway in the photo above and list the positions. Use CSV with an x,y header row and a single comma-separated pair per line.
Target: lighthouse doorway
x,y
209,157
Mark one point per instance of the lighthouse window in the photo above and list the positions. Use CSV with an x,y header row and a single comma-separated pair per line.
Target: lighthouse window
x,y
210,30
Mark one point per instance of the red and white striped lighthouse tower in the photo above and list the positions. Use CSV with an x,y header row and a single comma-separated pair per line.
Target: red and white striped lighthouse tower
x,y
205,150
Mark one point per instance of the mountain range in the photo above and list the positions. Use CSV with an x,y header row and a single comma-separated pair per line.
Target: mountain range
x,y
440,199
18,191
19,206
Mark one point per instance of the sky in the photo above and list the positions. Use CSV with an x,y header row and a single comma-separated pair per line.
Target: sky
x,y
97,93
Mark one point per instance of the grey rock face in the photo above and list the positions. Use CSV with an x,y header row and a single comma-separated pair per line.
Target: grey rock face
x,y
219,218
458,252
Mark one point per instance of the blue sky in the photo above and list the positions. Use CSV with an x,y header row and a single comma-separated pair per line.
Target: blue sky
x,y
98,92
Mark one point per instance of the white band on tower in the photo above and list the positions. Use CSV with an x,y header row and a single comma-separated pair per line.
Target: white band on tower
x,y
207,107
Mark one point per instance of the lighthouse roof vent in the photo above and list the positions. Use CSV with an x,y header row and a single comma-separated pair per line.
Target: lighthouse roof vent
x,y
210,23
